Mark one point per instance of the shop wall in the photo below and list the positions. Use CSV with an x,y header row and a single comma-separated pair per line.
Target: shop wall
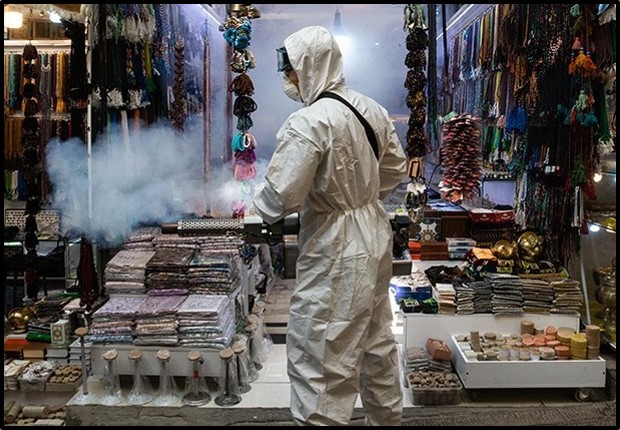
x,y
373,59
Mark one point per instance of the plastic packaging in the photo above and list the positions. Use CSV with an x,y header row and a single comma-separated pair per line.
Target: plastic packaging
x,y
168,392
141,390
113,395
196,390
229,394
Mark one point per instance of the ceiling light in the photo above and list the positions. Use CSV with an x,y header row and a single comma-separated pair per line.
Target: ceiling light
x,y
339,33
54,17
13,19
597,177
338,24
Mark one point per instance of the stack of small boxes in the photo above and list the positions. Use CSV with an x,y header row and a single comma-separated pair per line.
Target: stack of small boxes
x,y
458,247
415,249
58,350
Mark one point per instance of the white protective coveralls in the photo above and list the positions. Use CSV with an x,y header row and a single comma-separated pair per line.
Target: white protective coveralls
x,y
339,340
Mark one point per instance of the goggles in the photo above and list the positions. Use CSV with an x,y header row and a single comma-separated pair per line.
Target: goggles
x,y
284,63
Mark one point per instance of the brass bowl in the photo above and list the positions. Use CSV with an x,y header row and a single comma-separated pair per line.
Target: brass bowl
x,y
504,249
530,245
19,317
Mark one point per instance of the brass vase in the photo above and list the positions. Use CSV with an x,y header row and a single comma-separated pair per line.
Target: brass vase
x,y
608,298
19,318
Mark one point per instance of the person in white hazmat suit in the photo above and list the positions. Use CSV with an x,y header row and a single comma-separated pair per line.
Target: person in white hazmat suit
x,y
339,340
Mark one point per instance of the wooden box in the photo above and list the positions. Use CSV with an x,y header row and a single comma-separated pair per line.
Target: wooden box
x,y
451,220
455,224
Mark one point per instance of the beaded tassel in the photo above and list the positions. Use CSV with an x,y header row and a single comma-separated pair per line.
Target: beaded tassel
x,y
583,66
178,105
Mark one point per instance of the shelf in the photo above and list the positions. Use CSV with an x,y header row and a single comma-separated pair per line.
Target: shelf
x,y
602,226
53,115
18,44
484,178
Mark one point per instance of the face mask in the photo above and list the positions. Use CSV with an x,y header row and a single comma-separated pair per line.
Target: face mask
x,y
291,90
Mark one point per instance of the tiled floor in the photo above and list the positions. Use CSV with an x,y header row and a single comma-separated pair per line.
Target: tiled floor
x,y
273,389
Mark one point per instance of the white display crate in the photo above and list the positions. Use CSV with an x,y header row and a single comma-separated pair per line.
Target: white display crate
x,y
417,328
527,374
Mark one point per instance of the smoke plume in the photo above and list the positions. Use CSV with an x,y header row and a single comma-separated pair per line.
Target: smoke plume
x,y
146,179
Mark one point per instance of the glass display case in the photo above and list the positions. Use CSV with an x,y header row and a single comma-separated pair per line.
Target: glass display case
x,y
596,266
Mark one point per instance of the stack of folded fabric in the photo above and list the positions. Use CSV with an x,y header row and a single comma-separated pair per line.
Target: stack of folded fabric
x,y
214,243
141,238
220,245
482,297
213,274
464,299
113,322
507,295
206,321
568,297
167,269
538,296
125,273
175,241
156,320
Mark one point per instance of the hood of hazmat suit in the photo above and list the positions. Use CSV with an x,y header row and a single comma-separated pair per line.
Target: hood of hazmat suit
x,y
339,338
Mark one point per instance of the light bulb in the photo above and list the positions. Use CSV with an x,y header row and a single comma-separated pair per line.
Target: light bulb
x,y
595,228
597,177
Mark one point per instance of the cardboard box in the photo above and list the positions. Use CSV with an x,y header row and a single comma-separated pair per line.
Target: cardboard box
x,y
491,216
61,334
